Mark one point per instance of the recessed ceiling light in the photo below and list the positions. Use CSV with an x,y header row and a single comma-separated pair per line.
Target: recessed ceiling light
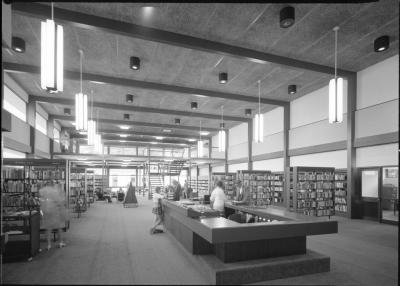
x,y
167,130
147,11
199,95
193,105
129,98
123,135
292,89
159,137
124,127
247,112
204,133
73,123
122,141
223,77
381,44
286,17
18,44
191,139
135,63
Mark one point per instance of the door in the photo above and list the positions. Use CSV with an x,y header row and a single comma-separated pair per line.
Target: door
x,y
370,192
390,195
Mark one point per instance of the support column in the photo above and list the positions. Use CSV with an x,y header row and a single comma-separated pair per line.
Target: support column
x,y
352,194
31,120
286,158
250,144
209,147
226,151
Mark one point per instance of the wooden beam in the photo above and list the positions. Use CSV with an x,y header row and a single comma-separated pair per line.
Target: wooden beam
x,y
96,23
131,108
75,75
135,123
352,194
113,131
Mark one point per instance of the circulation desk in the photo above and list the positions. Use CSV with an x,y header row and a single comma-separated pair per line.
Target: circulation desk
x,y
231,241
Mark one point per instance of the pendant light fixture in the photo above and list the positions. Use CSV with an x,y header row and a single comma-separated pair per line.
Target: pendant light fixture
x,y
336,92
221,133
52,55
91,126
259,120
200,145
81,105
98,146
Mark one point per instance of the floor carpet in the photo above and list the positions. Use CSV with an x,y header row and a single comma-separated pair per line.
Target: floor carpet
x,y
111,244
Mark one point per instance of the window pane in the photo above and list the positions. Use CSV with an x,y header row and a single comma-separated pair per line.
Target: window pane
x,y
56,133
41,124
9,153
14,104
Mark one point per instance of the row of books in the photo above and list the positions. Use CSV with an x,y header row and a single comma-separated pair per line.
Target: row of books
x,y
312,176
315,185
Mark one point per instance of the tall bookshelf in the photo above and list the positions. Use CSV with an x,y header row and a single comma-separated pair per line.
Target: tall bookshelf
x,y
90,186
229,183
277,188
341,192
22,180
259,183
200,185
311,190
77,188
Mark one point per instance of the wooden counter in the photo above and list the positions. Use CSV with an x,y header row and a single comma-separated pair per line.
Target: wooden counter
x,y
231,241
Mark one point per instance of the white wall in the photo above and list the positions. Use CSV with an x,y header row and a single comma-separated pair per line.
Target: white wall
x,y
381,155
42,142
218,169
378,83
20,132
272,143
203,171
275,165
234,167
336,159
14,86
238,142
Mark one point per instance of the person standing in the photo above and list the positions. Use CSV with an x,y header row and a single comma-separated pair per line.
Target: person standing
x,y
242,193
177,190
185,190
157,211
218,198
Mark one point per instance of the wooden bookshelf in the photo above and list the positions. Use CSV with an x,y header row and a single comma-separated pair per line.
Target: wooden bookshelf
x,y
341,192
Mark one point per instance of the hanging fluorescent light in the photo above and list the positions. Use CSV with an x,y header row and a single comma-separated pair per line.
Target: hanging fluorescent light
x,y
221,133
52,55
98,146
336,92
259,121
81,106
91,131
200,145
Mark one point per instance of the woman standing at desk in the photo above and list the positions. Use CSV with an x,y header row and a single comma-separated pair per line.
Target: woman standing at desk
x,y
242,194
218,198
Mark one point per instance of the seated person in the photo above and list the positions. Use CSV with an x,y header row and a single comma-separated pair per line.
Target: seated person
x,y
242,194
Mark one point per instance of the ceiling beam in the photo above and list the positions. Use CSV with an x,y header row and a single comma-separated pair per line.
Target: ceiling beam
x,y
75,75
131,108
135,139
72,130
96,23
136,123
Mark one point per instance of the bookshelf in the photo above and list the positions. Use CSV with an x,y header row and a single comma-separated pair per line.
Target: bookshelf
x,y
259,183
90,186
277,188
229,183
21,181
341,192
77,189
311,190
200,185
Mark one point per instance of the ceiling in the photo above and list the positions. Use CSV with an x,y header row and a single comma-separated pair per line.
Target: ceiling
x,y
251,26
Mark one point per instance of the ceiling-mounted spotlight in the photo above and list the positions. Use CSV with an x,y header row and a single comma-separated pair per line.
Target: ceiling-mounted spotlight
x,y
292,89
223,77
135,63
178,121
18,44
247,112
193,105
67,111
129,98
167,130
286,17
381,44
126,116
222,125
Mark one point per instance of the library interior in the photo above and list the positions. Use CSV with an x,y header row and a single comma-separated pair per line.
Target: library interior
x,y
200,143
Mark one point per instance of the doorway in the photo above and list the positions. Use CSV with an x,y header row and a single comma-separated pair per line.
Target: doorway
x,y
370,192
390,195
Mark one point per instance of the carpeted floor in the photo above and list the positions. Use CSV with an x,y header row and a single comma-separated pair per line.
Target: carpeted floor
x,y
110,244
